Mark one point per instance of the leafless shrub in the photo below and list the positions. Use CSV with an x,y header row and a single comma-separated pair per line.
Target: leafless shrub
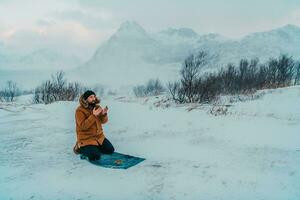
x,y
151,88
57,89
246,78
9,92
219,110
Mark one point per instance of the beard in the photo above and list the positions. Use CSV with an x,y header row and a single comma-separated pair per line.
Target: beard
x,y
92,105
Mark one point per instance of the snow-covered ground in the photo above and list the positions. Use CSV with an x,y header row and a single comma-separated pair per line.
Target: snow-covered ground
x,y
251,153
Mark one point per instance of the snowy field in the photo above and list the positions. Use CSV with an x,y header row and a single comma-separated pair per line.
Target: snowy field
x,y
252,153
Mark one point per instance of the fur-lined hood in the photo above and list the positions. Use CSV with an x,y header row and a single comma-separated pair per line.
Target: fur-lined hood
x,y
84,102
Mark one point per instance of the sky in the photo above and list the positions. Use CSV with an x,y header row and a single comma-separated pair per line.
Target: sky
x,y
82,25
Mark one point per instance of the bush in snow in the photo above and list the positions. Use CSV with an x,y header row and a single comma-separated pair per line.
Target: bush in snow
x,y
9,92
246,78
57,89
281,71
192,86
218,110
151,88
297,75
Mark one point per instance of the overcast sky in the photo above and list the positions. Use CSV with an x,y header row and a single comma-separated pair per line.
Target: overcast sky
x,y
86,23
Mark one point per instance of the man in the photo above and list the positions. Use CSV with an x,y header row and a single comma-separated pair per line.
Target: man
x,y
90,116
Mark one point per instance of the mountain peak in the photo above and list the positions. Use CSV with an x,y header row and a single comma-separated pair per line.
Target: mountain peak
x,y
130,28
130,25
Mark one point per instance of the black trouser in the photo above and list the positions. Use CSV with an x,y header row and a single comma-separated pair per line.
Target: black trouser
x,y
93,152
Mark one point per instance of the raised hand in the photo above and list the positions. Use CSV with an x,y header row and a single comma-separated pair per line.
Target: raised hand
x,y
97,111
104,111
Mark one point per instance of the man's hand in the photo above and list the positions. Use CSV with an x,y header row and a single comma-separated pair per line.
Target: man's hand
x,y
97,111
104,111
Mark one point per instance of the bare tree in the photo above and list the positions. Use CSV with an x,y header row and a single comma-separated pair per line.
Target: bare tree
x,y
262,80
208,88
272,72
10,91
190,73
58,83
139,91
152,87
176,92
297,75
56,89
285,67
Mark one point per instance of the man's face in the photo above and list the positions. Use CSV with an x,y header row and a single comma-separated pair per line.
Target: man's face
x,y
91,99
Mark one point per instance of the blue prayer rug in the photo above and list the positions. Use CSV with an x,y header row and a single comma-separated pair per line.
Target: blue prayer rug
x,y
116,160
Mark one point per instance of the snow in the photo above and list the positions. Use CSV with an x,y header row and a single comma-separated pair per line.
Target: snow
x,y
252,152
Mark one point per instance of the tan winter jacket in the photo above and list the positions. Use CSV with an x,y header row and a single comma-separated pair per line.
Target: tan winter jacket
x,y
89,127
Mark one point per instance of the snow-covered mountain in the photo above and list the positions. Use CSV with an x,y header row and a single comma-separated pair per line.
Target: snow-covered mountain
x,y
48,59
30,70
41,59
129,44
132,55
262,45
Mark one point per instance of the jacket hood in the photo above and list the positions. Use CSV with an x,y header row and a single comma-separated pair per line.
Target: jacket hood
x,y
84,102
